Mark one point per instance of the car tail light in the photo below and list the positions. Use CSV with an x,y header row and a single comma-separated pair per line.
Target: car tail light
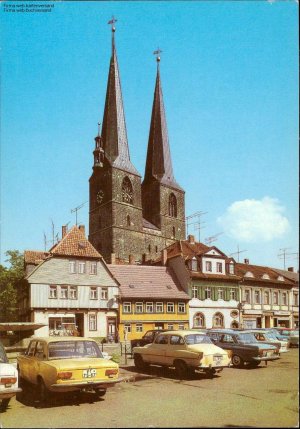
x,y
66,375
111,372
8,380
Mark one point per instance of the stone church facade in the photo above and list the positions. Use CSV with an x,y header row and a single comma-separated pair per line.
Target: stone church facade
x,y
131,220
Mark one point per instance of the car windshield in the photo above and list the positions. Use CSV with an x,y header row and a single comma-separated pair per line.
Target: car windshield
x,y
74,349
3,357
247,338
197,339
272,335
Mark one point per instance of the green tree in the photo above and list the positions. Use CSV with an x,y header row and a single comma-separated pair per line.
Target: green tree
x,y
9,279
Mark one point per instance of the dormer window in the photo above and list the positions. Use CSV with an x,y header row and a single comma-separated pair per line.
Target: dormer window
x,y
280,278
194,265
208,266
249,274
265,277
231,268
219,267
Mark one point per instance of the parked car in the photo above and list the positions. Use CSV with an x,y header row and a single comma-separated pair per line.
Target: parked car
x,y
185,350
284,342
244,347
291,334
147,338
66,364
8,379
266,337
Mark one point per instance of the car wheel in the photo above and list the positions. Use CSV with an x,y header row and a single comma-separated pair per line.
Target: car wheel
x,y
43,391
100,392
139,362
181,368
237,361
4,403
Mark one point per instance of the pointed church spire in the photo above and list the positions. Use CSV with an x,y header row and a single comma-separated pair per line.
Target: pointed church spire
x,y
159,163
114,132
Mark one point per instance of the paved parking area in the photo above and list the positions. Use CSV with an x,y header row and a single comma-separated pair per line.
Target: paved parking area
x,y
266,396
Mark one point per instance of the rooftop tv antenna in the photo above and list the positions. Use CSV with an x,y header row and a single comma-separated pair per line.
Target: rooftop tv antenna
x,y
237,253
197,224
212,238
286,255
77,208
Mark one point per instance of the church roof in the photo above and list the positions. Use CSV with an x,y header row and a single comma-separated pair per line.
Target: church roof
x,y
114,132
73,244
159,163
148,282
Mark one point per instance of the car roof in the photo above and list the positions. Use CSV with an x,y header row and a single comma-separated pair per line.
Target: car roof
x,y
58,339
224,331
184,332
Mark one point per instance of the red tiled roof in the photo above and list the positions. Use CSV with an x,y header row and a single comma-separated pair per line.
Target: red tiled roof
x,y
258,271
149,282
74,243
34,256
200,275
291,275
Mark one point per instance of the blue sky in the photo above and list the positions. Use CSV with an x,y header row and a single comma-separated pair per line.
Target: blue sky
x,y
229,73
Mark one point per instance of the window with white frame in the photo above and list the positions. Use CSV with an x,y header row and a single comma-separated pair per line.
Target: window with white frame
x,y
92,322
127,327
195,291
73,292
231,268
219,267
139,327
52,291
104,293
139,307
170,307
275,297
247,296
93,292
220,294
181,307
159,307
194,264
256,297
207,293
208,266
72,267
232,294
199,320
181,326
295,299
149,307
170,327
81,267
284,298
93,268
127,307
266,297
64,292
218,320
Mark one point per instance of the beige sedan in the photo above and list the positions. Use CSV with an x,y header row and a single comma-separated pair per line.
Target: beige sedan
x,y
185,350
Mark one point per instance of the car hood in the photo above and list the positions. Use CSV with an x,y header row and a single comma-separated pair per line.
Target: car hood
x,y
83,363
206,349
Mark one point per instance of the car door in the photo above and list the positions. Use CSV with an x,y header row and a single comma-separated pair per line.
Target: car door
x,y
175,349
26,361
156,352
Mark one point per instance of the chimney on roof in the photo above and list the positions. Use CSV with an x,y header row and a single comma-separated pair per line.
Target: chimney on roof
x,y
131,260
191,239
82,229
63,231
246,261
113,258
164,257
291,269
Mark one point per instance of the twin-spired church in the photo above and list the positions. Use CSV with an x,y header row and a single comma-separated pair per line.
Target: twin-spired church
x,y
130,219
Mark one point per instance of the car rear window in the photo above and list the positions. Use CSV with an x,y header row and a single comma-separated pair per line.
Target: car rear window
x,y
197,339
247,338
73,349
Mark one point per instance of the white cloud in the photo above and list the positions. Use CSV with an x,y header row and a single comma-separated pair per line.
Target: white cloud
x,y
254,220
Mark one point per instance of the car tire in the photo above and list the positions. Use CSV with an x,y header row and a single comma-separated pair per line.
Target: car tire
x,y
139,362
100,392
237,361
181,369
43,392
4,403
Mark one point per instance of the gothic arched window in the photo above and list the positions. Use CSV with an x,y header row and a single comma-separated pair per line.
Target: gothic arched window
x,y
199,320
172,205
218,320
127,191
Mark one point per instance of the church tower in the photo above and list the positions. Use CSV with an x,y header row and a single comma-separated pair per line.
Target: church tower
x,y
115,217
162,197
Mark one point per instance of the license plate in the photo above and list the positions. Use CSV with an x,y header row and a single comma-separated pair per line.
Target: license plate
x,y
89,373
218,359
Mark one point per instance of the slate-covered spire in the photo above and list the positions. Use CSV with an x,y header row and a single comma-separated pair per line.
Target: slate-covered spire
x,y
159,163
114,134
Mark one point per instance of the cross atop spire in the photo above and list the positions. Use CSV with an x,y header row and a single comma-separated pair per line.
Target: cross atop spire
x,y
112,22
157,52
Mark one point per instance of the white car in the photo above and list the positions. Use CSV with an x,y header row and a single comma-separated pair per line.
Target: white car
x,y
8,379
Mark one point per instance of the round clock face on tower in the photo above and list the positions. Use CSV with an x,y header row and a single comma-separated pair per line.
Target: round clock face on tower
x,y
100,196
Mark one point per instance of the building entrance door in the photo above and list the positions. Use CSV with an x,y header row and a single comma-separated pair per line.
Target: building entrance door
x,y
112,329
79,323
